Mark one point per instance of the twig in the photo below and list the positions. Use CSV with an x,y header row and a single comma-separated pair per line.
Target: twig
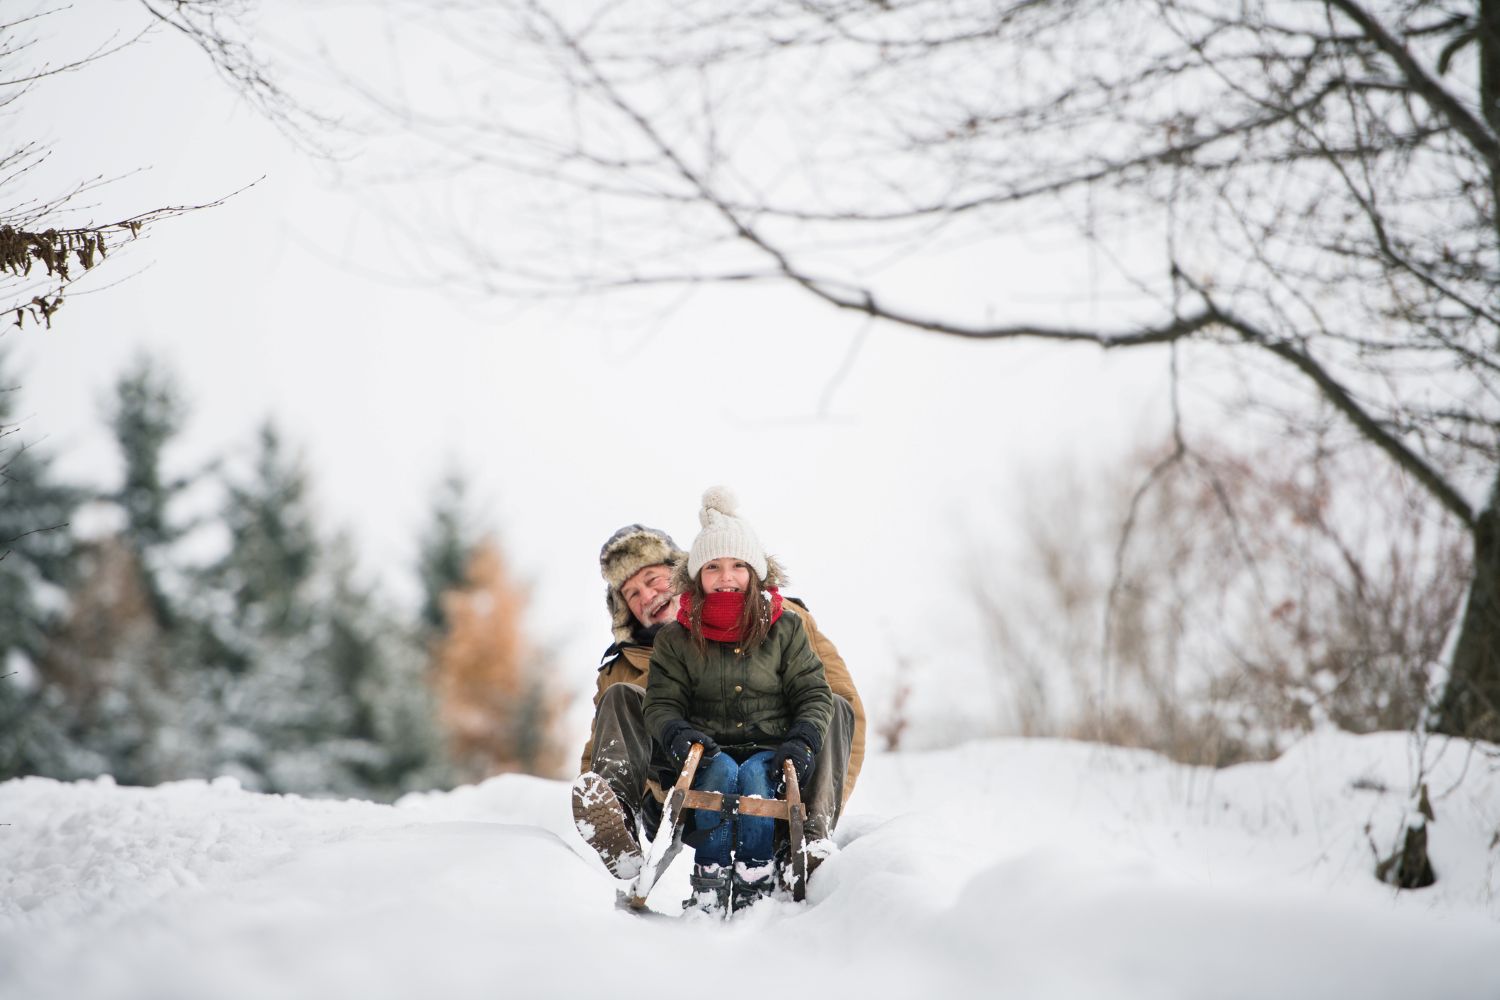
x,y
35,531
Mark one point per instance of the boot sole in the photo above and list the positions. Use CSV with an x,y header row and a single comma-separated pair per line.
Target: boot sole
x,y
600,820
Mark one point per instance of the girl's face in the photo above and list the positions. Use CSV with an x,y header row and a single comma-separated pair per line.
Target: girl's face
x,y
725,576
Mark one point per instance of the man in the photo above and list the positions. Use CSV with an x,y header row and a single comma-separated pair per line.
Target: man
x,y
615,794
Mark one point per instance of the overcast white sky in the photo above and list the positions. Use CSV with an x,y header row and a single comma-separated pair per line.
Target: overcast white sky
x,y
870,460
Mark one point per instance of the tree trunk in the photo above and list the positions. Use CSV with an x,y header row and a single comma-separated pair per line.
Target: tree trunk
x,y
1409,867
1470,705
1489,88
1489,61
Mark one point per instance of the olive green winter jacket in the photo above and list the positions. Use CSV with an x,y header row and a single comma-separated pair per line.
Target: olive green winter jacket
x,y
741,700
630,663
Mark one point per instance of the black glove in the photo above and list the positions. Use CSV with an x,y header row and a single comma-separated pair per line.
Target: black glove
x,y
678,737
800,746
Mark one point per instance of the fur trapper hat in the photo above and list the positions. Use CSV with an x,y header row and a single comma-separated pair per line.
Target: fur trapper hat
x,y
727,535
628,551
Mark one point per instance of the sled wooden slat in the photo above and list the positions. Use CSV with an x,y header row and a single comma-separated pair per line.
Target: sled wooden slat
x,y
796,843
669,837
714,802
682,796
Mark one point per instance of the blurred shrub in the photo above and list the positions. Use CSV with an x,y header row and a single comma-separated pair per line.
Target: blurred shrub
x,y
1218,605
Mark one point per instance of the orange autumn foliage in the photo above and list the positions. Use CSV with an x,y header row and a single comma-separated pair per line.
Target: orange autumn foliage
x,y
494,703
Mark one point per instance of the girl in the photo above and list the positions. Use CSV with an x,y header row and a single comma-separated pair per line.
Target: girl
x,y
736,675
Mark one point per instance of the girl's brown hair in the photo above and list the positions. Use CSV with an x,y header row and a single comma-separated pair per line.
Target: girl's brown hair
x,y
755,617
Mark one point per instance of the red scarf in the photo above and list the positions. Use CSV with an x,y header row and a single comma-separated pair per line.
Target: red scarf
x,y
721,614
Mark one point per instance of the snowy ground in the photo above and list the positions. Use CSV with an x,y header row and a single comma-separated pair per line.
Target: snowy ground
x,y
1033,869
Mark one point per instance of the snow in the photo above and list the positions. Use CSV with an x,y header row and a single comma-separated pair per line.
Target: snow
x,y
1029,868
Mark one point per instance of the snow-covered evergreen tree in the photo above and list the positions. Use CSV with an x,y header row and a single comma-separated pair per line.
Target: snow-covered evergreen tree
x,y
447,544
274,548
122,686
381,666
323,695
36,540
36,558
270,662
146,413
129,655
261,608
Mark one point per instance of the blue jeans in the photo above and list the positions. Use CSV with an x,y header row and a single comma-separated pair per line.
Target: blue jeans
x,y
754,844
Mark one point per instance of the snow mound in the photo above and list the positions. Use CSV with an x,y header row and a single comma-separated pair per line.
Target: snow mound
x,y
1031,868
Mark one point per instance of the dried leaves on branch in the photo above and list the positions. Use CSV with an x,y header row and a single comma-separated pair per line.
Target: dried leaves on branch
x,y
48,240
63,255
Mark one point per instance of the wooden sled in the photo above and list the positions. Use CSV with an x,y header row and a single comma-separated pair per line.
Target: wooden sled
x,y
668,840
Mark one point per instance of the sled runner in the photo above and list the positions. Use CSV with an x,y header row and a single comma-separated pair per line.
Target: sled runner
x,y
668,839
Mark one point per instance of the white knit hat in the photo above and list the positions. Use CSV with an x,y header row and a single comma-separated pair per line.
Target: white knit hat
x,y
724,535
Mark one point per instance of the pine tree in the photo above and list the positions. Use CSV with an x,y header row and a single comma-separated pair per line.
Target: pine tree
x,y
102,699
393,743
447,545
260,611
36,561
145,415
273,547
121,672
36,541
325,695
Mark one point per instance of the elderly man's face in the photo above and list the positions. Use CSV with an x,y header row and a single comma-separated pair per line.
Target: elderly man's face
x,y
649,595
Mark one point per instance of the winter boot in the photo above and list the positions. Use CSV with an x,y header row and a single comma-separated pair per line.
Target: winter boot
x,y
711,890
605,825
814,853
752,883
817,852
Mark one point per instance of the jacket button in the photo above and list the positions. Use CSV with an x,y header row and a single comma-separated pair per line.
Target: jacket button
x,y
738,688
739,725
736,650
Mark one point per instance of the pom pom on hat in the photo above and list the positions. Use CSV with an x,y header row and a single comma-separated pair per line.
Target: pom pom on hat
x,y
724,534
718,498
